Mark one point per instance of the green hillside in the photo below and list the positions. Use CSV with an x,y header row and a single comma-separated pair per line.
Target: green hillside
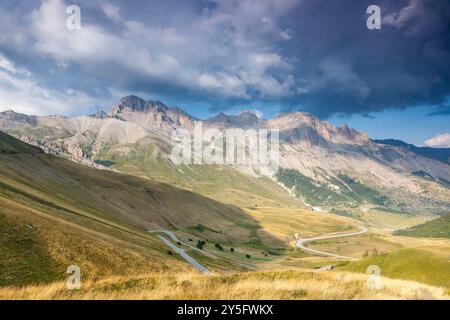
x,y
55,213
223,183
422,265
351,192
10,145
437,228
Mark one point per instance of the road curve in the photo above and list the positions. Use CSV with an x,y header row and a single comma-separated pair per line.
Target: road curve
x,y
300,243
180,251
174,238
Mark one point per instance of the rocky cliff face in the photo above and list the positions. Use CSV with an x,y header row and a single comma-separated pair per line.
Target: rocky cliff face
x,y
10,119
151,114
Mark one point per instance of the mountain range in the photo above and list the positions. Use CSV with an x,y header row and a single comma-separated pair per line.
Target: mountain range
x,y
441,154
321,165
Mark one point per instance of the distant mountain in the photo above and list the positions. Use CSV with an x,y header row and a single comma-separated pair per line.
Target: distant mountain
x,y
441,154
99,115
246,119
321,164
151,114
10,119
129,104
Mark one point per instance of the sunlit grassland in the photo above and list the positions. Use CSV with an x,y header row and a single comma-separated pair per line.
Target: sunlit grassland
x,y
436,228
282,284
38,245
429,265
390,221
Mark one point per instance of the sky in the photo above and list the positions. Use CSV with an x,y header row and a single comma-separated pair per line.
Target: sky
x,y
207,56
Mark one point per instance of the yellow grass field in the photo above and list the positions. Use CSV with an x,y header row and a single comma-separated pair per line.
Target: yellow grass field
x,y
285,284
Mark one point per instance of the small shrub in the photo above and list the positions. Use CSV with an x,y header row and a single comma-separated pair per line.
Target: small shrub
x,y
374,252
200,244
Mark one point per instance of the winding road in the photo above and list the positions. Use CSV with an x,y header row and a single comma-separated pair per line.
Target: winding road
x,y
174,238
302,242
180,251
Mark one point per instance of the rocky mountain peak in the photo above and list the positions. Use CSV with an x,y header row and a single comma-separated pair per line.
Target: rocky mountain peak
x,y
9,117
302,127
132,103
249,115
129,104
352,134
243,120
99,115
156,106
151,114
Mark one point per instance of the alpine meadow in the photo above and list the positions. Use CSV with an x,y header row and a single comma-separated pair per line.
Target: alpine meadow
x,y
224,150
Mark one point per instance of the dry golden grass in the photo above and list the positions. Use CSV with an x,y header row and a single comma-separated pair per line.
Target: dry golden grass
x,y
100,251
286,284
283,223
386,222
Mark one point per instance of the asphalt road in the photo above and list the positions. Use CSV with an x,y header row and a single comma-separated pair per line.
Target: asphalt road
x,y
302,242
180,251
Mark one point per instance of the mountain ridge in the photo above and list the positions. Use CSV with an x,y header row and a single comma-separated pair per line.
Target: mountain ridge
x,y
441,154
339,159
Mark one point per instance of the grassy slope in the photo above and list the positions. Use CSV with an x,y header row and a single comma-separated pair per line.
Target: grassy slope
x,y
284,284
55,213
390,220
437,228
424,265
10,145
116,197
221,183
39,246
43,234
24,258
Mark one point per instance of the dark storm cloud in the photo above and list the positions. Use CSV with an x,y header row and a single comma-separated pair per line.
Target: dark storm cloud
x,y
346,68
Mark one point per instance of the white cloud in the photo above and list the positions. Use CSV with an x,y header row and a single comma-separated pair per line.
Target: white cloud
x,y
111,11
441,140
418,17
258,113
286,34
215,54
24,94
7,65
400,19
228,50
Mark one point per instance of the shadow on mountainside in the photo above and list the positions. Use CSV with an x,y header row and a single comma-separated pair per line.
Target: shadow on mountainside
x,y
87,196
